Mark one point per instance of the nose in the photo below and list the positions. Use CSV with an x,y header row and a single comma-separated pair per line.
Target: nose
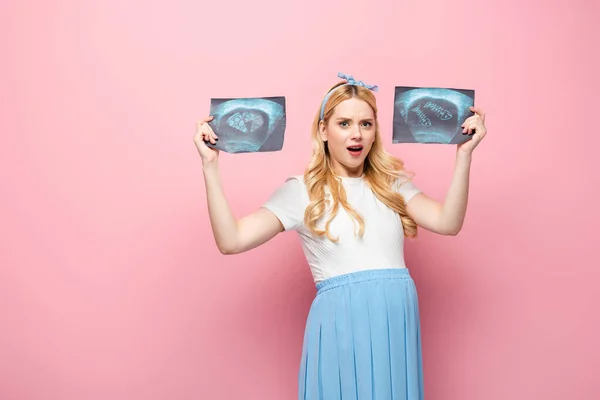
x,y
356,133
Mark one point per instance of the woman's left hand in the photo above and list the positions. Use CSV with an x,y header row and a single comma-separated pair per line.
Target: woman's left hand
x,y
476,124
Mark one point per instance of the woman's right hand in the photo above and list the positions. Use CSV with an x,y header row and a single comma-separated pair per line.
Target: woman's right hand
x,y
204,133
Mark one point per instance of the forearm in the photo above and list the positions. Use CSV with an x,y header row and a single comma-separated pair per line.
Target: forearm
x,y
223,223
454,207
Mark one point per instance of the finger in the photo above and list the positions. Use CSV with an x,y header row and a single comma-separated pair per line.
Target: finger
x,y
209,134
201,124
473,127
468,126
200,130
469,120
199,141
480,126
479,132
208,138
205,127
479,112
477,128
212,133
198,136
474,118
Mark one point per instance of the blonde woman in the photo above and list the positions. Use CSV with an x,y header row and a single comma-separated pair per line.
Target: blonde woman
x,y
352,208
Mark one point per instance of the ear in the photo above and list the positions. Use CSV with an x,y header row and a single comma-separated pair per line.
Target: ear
x,y
322,131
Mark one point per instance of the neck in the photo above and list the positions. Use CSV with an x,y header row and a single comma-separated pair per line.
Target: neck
x,y
345,172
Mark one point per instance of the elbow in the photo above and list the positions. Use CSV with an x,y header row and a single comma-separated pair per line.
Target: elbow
x,y
449,227
448,230
227,249
453,231
229,244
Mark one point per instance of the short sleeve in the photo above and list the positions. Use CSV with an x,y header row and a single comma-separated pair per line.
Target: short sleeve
x,y
407,189
287,203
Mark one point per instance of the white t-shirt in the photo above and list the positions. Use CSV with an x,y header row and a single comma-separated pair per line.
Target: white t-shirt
x,y
382,245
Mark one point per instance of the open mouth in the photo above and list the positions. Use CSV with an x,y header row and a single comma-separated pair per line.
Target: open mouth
x,y
355,150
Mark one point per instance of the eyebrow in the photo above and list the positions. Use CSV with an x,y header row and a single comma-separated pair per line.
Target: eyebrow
x,y
349,119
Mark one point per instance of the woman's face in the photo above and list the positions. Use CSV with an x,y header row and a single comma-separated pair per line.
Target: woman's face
x,y
350,133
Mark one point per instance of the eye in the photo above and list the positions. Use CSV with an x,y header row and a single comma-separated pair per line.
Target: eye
x,y
344,124
245,124
367,123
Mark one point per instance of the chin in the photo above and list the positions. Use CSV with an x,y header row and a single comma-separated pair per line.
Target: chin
x,y
354,164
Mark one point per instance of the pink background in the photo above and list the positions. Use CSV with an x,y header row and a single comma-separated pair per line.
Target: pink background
x,y
111,286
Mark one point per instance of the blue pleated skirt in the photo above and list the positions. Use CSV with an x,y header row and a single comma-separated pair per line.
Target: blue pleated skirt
x,y
362,339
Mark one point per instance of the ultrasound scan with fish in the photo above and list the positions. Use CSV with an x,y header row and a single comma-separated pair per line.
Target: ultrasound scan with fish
x,y
431,115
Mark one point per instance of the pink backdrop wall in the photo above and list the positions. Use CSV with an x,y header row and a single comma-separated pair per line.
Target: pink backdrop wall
x,y
110,284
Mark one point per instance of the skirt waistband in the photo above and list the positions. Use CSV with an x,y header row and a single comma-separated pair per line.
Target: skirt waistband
x,y
362,276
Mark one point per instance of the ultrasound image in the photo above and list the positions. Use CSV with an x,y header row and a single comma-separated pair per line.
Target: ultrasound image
x,y
431,115
248,125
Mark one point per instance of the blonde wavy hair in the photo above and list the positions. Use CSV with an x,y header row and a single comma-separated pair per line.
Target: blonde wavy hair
x,y
381,170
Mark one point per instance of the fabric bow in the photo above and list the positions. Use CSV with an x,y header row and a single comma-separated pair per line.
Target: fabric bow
x,y
351,81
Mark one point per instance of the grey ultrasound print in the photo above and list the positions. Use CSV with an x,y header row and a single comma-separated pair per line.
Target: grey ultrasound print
x,y
248,125
431,115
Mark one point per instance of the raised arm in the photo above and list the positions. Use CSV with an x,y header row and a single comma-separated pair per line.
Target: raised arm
x,y
447,218
444,218
231,236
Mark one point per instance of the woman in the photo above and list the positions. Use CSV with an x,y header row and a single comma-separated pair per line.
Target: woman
x,y
352,208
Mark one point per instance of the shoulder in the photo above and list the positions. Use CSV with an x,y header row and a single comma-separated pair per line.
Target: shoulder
x,y
405,186
289,201
293,184
397,183
295,179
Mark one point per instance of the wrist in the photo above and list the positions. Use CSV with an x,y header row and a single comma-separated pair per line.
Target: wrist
x,y
460,153
463,159
210,166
